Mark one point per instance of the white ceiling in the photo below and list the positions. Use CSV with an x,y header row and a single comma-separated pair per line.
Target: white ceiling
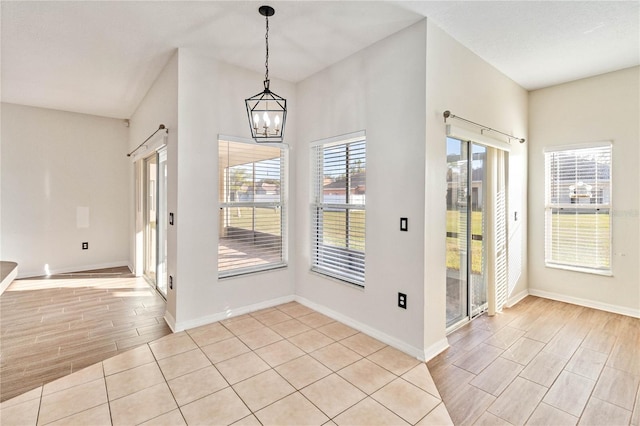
x,y
101,57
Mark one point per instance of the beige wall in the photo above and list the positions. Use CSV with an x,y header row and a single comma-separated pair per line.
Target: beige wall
x,y
600,108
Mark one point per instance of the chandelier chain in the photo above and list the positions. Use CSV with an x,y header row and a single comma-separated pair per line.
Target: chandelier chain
x,y
266,60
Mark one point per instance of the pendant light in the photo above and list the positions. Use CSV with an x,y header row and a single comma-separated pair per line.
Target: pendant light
x,y
267,111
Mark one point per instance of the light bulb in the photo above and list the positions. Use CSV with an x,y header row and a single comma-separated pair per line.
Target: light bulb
x,y
276,121
267,120
256,120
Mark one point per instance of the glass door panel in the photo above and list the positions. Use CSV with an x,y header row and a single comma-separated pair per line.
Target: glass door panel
x,y
478,275
161,270
150,217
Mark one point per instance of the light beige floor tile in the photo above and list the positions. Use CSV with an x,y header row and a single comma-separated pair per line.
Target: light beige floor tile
x,y
624,356
488,419
421,377
302,371
617,387
96,416
21,413
587,363
635,418
27,396
363,344
337,330
259,338
295,309
449,380
221,408
599,341
543,330
244,325
570,393
196,385
172,418
505,337
290,328
294,410
406,400
311,340
366,375
523,350
599,413
544,369
142,406
518,401
336,356
315,320
478,359
563,345
71,401
250,420
333,395
183,363
130,359
393,360
439,416
261,390
172,344
85,375
468,404
280,352
497,376
546,415
242,367
133,380
226,349
368,412
210,333
273,317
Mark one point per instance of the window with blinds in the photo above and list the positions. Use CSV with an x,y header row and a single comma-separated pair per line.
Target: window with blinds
x,y
338,208
578,208
252,196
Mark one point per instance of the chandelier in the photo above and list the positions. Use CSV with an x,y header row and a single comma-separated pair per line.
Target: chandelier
x,y
267,111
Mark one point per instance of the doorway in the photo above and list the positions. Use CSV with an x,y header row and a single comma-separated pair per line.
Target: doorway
x,y
466,256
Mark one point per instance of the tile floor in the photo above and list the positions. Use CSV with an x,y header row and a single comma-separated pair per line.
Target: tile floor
x,y
287,365
53,326
542,362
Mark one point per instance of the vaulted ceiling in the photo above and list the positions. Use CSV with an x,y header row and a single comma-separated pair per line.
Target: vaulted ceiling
x,y
101,57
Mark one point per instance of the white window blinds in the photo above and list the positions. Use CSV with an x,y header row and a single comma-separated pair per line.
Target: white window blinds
x,y
338,210
578,208
252,207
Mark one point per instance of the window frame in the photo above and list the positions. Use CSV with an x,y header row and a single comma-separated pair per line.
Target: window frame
x,y
282,205
341,263
605,147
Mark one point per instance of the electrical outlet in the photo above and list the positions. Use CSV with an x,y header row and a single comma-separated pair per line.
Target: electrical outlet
x,y
404,224
170,218
85,246
170,282
402,300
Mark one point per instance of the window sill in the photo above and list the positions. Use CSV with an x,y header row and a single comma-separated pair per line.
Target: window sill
x,y
605,273
337,278
243,273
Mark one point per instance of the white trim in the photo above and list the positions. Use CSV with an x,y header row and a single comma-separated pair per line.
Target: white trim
x,y
8,279
341,139
577,146
152,146
622,310
229,313
170,320
467,135
435,349
78,268
370,331
516,298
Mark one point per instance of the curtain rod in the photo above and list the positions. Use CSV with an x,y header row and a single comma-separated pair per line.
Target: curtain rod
x,y
447,114
161,127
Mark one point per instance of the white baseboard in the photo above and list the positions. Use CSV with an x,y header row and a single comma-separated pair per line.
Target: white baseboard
x,y
65,270
170,320
8,280
197,322
370,331
622,310
435,349
516,298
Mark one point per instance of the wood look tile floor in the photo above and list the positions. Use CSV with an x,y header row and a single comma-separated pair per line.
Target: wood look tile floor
x,y
53,326
542,362
286,365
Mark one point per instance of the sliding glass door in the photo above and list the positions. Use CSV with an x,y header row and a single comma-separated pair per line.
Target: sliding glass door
x,y
466,229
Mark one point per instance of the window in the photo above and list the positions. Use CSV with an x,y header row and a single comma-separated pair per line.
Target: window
x,y
252,198
338,209
578,207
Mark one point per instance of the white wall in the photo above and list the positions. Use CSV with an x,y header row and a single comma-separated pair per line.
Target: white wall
x,y
605,107
52,163
459,81
211,102
381,90
159,106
